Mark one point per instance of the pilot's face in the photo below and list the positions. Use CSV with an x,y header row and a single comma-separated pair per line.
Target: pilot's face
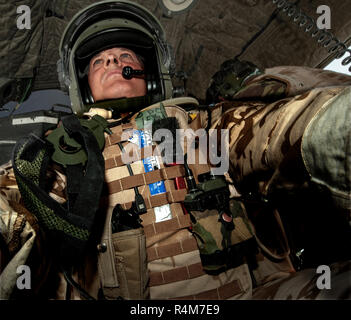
x,y
105,75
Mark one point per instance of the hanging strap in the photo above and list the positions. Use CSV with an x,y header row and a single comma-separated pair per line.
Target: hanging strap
x,y
266,250
87,201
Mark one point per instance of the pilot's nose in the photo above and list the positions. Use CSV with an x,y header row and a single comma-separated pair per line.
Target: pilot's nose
x,y
111,60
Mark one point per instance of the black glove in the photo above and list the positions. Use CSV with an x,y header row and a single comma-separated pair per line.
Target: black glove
x,y
226,82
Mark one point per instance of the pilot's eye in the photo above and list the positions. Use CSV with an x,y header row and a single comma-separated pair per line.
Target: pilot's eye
x,y
97,61
126,57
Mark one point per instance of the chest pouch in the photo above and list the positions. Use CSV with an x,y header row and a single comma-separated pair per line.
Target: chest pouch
x,y
219,224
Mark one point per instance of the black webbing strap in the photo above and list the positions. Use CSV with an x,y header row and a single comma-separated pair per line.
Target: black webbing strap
x,y
74,175
87,200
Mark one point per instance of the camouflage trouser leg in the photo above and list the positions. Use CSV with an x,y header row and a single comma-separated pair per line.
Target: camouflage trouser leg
x,y
311,130
316,284
326,149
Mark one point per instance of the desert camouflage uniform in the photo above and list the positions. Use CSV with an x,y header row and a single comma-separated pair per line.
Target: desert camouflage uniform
x,y
291,113
277,124
289,128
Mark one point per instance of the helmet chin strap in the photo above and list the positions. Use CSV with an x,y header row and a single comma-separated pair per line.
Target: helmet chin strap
x,y
123,105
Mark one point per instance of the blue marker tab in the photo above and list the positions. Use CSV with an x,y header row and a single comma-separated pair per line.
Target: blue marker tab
x,y
142,139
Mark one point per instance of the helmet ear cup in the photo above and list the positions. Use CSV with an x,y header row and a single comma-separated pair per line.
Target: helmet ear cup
x,y
87,95
85,91
152,85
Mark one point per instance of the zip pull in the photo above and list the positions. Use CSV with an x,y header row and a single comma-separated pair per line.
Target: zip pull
x,y
139,203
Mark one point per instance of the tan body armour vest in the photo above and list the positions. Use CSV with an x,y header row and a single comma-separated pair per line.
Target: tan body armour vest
x,y
170,267
164,258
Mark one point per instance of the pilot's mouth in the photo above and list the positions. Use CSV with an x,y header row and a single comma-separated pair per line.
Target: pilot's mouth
x,y
111,73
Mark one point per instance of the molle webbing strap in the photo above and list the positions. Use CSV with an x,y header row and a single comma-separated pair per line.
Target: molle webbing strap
x,y
178,274
221,293
177,223
119,132
150,216
138,154
145,178
170,250
161,199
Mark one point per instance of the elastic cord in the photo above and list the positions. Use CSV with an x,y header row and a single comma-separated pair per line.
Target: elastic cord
x,y
264,248
70,281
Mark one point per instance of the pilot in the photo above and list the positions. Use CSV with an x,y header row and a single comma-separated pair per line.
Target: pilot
x,y
148,236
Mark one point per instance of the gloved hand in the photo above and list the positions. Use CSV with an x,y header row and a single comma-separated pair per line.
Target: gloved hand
x,y
231,77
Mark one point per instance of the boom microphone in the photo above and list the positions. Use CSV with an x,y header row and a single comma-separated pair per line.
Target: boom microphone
x,y
129,73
